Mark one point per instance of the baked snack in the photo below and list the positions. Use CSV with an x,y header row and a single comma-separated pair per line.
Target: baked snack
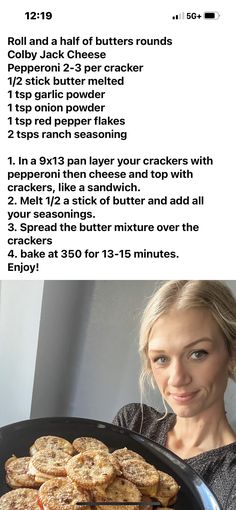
x,y
116,465
167,490
119,490
143,475
91,469
148,501
92,475
48,464
17,473
81,444
62,494
20,499
51,442
123,454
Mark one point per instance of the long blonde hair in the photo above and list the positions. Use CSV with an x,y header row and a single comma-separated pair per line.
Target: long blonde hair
x,y
212,295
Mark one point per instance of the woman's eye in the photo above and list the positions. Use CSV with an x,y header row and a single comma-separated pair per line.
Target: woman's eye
x,y
199,354
160,360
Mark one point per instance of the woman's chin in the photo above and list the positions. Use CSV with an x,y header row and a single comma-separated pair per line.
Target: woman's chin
x,y
185,411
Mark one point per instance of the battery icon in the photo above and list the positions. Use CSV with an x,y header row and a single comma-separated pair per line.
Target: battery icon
x,y
211,15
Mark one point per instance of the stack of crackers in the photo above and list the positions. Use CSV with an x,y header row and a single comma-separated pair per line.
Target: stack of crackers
x,y
59,475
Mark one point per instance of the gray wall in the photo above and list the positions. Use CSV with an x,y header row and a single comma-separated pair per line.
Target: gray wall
x,y
87,361
20,311
108,368
64,319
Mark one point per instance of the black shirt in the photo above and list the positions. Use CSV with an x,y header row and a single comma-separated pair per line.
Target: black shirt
x,y
217,467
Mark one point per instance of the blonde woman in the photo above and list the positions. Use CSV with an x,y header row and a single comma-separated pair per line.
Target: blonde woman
x,y
188,350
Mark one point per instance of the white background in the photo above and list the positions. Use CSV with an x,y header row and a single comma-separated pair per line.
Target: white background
x,y
181,105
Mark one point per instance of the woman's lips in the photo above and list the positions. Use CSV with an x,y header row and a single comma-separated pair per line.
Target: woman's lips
x,y
183,397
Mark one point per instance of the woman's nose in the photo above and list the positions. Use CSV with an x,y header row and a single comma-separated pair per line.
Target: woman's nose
x,y
179,375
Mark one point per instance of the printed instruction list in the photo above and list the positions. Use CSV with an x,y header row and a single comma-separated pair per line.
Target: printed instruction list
x,y
73,189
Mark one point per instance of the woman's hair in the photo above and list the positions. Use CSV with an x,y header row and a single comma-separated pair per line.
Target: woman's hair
x,y
212,295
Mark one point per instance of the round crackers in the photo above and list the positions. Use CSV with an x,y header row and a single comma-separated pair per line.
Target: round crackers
x,y
17,473
90,469
143,475
123,454
167,489
59,494
51,443
118,477
20,499
48,464
81,444
119,490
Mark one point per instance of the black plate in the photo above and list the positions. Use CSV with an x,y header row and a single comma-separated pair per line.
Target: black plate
x,y
18,437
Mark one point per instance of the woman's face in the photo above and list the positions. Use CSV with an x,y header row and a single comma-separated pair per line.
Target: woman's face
x,y
189,360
